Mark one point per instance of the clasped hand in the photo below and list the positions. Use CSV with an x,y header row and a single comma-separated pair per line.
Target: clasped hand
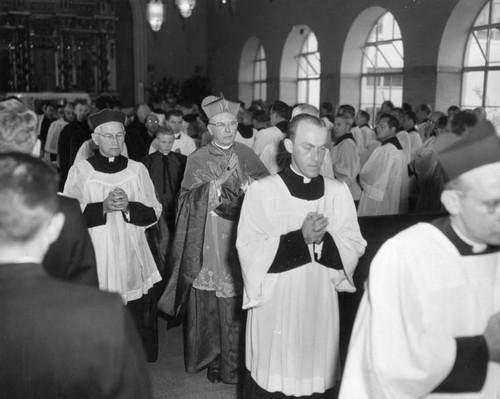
x,y
231,166
116,201
314,228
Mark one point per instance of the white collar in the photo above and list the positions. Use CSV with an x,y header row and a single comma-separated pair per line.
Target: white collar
x,y
306,179
222,147
476,246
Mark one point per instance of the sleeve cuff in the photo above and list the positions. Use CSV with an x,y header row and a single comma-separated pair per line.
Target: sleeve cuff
x,y
292,252
140,214
471,365
94,214
330,256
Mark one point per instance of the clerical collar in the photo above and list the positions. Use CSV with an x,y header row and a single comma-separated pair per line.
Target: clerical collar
x,y
411,129
394,141
177,136
464,245
476,246
302,187
227,147
345,137
365,125
108,165
283,126
306,179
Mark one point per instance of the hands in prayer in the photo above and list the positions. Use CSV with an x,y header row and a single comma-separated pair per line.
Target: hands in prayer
x,y
314,228
117,201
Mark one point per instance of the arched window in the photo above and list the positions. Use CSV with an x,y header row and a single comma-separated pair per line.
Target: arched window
x,y
481,71
382,65
259,83
309,69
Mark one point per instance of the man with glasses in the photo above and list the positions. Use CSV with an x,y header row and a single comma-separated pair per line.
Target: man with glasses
x,y
384,177
118,201
206,269
429,324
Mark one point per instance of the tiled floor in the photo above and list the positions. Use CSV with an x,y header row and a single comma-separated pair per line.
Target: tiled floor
x,y
171,381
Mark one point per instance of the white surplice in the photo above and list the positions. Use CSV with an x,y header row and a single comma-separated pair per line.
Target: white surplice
x,y
346,165
125,263
267,136
384,180
421,295
293,324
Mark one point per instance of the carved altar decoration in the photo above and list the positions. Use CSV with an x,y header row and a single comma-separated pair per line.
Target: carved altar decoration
x,y
58,45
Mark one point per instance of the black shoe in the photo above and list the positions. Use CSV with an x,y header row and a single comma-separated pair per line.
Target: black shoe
x,y
213,374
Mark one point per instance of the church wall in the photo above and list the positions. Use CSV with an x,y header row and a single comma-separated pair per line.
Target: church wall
x,y
180,45
421,21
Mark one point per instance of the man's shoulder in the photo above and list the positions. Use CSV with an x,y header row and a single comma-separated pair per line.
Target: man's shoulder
x,y
187,137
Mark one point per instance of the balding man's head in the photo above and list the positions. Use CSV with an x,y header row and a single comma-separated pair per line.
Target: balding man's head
x,y
18,128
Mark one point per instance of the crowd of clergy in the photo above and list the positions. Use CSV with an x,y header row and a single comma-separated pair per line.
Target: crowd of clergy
x,y
241,224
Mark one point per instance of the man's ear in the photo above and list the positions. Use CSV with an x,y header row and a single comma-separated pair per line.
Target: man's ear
x,y
451,202
94,139
209,128
289,145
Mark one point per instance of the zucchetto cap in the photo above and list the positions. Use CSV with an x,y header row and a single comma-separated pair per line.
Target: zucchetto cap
x,y
107,115
213,105
480,147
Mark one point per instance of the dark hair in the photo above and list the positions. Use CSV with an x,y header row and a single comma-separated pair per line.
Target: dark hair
x,y
82,102
173,112
260,115
462,121
365,115
392,122
28,196
407,107
281,109
295,122
327,106
411,115
388,103
425,108
347,109
441,122
453,108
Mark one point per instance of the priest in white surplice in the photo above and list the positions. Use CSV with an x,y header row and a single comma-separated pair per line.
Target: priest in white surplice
x,y
298,243
428,325
384,177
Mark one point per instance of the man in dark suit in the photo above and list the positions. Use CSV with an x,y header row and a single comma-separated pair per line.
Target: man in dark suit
x,y
56,339
71,257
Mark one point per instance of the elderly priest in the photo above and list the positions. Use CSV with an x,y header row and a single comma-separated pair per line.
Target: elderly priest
x,y
118,201
206,269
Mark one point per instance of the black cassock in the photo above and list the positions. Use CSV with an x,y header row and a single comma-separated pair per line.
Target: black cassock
x,y
166,172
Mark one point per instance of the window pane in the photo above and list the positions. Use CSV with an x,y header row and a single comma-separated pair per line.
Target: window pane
x,y
494,53
313,99
493,89
391,56
484,16
369,59
384,62
495,15
493,114
473,54
302,91
472,89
